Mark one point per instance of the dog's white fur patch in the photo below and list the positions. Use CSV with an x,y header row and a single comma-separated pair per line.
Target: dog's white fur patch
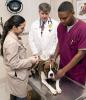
x,y
43,79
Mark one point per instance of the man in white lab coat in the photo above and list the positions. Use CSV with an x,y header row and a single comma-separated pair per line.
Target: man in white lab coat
x,y
43,33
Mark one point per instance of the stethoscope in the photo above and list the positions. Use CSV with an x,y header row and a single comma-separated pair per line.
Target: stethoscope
x,y
49,25
49,21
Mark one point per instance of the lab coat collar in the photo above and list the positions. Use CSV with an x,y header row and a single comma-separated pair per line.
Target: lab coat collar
x,y
47,22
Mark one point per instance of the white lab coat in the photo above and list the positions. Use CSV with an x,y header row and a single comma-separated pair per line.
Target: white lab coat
x,y
44,45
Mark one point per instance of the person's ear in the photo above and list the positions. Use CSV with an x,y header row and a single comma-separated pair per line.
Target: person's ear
x,y
14,27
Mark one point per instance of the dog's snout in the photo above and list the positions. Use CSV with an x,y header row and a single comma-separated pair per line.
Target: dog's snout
x,y
51,74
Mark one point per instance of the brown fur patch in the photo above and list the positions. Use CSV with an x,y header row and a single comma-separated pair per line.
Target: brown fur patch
x,y
45,67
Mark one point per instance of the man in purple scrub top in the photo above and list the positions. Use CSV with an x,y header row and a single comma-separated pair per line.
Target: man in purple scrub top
x,y
71,44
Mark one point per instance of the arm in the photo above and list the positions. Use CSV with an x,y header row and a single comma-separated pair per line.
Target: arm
x,y
54,38
56,54
79,56
12,57
31,41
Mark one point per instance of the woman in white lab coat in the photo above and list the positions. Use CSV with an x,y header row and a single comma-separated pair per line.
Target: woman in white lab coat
x,y
15,59
43,33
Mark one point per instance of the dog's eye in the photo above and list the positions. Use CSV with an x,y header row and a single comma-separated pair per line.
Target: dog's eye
x,y
54,70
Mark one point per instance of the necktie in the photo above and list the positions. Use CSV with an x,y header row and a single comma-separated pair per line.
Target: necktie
x,y
42,27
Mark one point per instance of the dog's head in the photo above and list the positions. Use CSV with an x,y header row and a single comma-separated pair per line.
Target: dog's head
x,y
50,69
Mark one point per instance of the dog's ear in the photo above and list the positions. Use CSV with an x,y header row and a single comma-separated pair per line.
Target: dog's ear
x,y
55,67
47,64
41,65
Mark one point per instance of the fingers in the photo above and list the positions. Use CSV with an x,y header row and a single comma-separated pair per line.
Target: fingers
x,y
36,59
56,76
60,73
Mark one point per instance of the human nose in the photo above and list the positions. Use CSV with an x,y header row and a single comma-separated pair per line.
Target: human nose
x,y
44,15
62,20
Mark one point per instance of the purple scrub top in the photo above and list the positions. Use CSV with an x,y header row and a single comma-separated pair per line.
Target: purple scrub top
x,y
69,44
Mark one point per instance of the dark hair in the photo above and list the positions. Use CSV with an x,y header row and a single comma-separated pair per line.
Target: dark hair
x,y
14,20
66,6
45,7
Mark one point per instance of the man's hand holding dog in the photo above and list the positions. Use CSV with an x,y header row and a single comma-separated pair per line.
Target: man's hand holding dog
x,y
60,73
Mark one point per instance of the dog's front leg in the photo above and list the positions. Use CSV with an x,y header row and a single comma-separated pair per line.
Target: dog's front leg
x,y
43,79
58,87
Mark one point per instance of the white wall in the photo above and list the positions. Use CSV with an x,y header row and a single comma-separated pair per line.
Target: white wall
x,y
29,12
3,11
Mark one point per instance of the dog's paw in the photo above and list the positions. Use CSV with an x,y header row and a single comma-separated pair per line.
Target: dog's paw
x,y
59,90
53,91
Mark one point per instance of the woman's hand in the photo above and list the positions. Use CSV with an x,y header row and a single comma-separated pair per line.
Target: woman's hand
x,y
35,59
60,73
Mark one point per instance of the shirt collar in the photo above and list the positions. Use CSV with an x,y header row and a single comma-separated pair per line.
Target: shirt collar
x,y
69,27
13,35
